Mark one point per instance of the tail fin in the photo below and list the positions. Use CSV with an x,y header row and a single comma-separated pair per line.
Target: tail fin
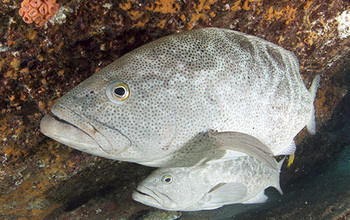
x,y
311,125
278,186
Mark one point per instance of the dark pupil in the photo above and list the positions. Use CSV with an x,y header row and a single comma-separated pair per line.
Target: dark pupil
x,y
119,91
167,180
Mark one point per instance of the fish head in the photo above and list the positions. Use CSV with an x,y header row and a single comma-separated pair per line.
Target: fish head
x,y
116,113
171,189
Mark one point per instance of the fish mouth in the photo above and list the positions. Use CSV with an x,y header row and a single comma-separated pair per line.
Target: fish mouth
x,y
153,198
77,131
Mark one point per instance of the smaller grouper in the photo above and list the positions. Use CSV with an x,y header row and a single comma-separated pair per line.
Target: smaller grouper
x,y
242,179
155,105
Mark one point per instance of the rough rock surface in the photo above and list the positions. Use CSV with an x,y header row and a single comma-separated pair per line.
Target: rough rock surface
x,y
40,178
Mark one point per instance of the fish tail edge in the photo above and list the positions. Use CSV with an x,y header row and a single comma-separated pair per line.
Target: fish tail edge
x,y
311,125
278,185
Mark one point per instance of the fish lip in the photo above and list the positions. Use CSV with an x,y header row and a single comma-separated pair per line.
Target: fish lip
x,y
142,196
57,129
89,131
154,198
57,114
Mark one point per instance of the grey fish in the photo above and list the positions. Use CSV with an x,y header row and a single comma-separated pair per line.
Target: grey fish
x,y
209,186
155,105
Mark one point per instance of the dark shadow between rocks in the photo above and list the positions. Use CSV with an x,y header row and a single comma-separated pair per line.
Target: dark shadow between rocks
x,y
96,182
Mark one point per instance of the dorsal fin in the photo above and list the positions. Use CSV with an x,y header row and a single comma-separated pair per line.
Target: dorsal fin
x,y
244,143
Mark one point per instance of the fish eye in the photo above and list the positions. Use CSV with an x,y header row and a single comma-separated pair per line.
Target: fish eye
x,y
167,179
117,92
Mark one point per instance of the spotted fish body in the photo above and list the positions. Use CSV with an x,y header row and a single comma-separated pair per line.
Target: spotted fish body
x,y
209,186
178,88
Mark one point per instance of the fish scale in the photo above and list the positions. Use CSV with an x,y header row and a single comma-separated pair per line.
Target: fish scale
x,y
180,87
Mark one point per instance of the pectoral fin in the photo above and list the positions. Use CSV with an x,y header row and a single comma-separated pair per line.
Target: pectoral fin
x,y
226,193
244,143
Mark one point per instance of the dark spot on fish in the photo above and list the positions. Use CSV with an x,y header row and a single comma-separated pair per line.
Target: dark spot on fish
x,y
91,92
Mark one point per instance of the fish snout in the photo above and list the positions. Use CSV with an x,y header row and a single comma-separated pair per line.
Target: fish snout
x,y
83,133
154,198
66,133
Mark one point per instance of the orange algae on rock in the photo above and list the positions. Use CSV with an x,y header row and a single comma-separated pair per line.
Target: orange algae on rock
x,y
287,13
164,6
38,11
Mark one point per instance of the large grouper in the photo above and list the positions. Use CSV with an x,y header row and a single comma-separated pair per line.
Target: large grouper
x,y
175,101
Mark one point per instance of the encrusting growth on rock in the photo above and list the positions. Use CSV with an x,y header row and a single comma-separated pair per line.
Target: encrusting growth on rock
x,y
38,11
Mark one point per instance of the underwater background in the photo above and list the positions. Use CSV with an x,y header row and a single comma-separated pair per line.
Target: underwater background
x,y
43,179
